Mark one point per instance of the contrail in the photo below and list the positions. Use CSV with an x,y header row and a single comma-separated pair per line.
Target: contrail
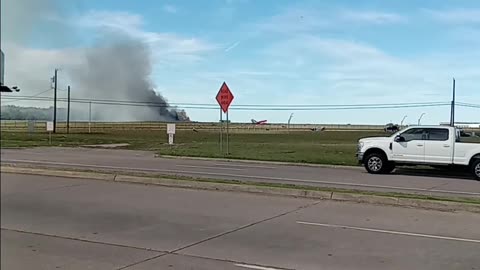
x,y
232,46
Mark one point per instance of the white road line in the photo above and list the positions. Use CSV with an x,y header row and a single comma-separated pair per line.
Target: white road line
x,y
209,167
255,177
391,232
255,267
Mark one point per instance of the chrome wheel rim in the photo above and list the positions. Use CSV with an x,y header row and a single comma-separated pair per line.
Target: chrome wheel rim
x,y
375,164
477,170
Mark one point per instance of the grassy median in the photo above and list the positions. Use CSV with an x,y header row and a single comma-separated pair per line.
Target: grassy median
x,y
327,147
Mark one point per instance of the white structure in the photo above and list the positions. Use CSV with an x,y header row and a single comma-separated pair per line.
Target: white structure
x,y
49,126
171,133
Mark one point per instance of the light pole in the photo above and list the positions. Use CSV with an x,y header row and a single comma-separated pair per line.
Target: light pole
x,y
401,123
289,120
55,101
420,119
452,113
68,110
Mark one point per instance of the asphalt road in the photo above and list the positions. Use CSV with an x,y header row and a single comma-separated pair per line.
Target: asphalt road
x,y
431,182
57,223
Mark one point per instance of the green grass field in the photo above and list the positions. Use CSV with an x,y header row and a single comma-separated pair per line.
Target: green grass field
x,y
329,147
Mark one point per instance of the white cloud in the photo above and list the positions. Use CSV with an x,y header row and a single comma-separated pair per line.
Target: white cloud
x,y
117,20
168,47
455,16
372,17
170,9
302,20
333,68
294,21
31,69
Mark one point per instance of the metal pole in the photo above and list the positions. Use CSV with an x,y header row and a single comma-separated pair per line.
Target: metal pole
x,y
401,123
68,110
228,136
55,103
452,117
289,120
420,118
221,131
90,117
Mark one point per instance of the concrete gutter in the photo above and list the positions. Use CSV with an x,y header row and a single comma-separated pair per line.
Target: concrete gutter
x,y
433,204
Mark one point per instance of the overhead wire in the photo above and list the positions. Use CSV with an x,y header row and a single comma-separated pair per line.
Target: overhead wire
x,y
329,107
20,98
243,107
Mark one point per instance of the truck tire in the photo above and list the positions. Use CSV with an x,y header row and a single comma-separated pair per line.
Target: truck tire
x,y
377,163
476,169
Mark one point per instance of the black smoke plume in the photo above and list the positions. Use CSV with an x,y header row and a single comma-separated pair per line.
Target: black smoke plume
x,y
118,71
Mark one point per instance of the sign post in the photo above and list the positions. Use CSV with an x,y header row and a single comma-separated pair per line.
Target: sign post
x,y
221,131
224,98
228,136
50,129
171,133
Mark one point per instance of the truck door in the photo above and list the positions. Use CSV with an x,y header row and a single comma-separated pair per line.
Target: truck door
x,y
438,146
412,148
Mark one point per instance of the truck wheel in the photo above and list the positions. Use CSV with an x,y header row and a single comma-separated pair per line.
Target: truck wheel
x,y
476,169
376,163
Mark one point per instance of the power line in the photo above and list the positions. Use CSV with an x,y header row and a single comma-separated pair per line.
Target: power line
x,y
239,106
260,108
469,105
20,98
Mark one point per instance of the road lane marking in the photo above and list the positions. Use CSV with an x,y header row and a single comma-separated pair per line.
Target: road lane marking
x,y
249,266
391,232
243,176
209,167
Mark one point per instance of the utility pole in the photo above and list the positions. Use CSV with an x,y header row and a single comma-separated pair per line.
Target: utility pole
x,y
90,117
68,109
55,102
452,113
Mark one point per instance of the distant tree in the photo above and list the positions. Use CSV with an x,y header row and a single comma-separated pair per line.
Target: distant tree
x,y
12,112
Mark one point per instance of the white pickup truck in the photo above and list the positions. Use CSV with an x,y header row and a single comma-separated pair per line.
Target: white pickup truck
x,y
419,145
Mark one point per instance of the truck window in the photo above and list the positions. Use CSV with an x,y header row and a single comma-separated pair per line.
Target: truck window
x,y
437,134
415,134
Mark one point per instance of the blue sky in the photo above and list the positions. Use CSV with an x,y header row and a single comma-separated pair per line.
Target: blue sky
x,y
301,52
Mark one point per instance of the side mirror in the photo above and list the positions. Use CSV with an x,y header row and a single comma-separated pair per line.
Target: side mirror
x,y
400,139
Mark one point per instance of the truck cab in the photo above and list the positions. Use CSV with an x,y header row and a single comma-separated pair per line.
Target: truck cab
x,y
419,145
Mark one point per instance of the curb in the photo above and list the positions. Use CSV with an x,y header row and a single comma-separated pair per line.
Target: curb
x,y
58,173
262,190
265,162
